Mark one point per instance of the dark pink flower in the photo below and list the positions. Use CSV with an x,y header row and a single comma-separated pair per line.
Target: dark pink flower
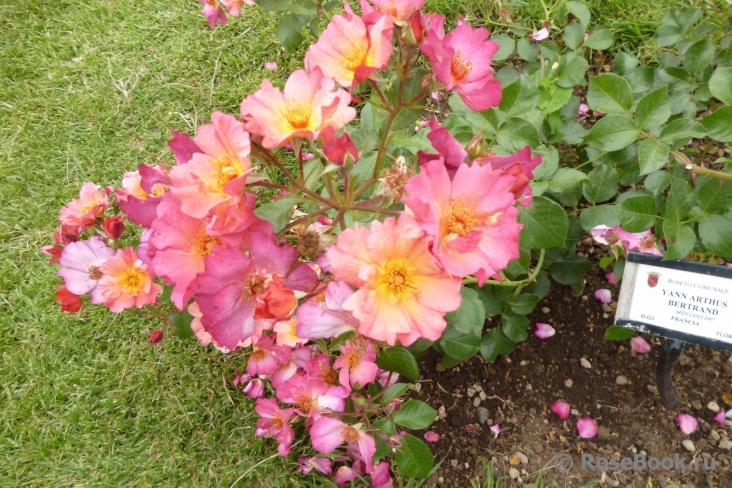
x,y
519,165
344,475
381,477
267,357
183,147
322,464
275,422
357,364
328,433
142,192
213,12
338,148
69,302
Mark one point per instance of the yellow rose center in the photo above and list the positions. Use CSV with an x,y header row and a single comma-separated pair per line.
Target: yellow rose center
x,y
459,219
459,66
298,114
350,434
224,171
258,355
203,243
398,276
354,58
253,285
390,9
353,359
132,280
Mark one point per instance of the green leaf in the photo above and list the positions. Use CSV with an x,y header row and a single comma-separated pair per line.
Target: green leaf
x,y
615,333
713,195
682,130
289,31
524,303
494,344
278,212
526,50
572,132
398,360
653,109
652,156
677,78
515,326
506,45
680,239
470,317
699,56
182,322
569,270
688,19
579,10
559,99
679,201
668,35
641,79
415,414
610,93
545,224
603,184
657,182
574,34
624,64
413,458
275,5
460,345
600,40
519,97
565,178
720,84
394,391
515,134
636,210
600,215
613,133
719,124
572,73
715,232
493,305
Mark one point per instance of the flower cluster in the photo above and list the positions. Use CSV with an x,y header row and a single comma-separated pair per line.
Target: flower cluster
x,y
306,288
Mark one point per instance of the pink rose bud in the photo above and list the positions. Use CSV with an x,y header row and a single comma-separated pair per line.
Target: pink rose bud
x,y
639,345
544,331
561,409
308,156
720,417
430,436
496,429
611,278
114,226
155,336
540,35
583,109
587,428
270,65
603,294
687,423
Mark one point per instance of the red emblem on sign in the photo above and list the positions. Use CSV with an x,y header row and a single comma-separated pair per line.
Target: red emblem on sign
x,y
653,279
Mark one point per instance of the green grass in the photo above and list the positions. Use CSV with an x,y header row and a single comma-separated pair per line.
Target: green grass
x,y
88,90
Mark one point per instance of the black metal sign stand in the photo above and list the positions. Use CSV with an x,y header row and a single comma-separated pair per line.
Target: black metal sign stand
x,y
669,358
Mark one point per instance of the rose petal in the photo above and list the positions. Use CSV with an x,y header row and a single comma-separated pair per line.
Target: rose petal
x,y
587,428
687,423
604,295
544,331
496,429
561,409
639,345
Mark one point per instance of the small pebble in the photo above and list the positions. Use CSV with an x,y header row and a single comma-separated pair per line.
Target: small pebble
x,y
545,309
471,392
621,380
568,383
483,415
476,402
513,473
606,308
482,395
653,389
715,435
713,406
585,363
441,480
575,412
454,463
688,445
725,443
685,360
417,387
696,404
522,457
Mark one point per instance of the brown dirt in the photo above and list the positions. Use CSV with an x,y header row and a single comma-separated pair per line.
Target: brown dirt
x,y
520,390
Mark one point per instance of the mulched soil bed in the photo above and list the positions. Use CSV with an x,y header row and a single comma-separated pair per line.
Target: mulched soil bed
x,y
618,391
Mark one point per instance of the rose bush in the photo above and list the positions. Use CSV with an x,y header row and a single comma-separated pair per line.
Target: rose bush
x,y
330,241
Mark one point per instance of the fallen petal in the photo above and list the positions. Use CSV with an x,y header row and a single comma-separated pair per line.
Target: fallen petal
x,y
604,295
496,429
544,331
611,278
561,409
587,428
639,345
687,423
430,436
583,109
270,65
720,417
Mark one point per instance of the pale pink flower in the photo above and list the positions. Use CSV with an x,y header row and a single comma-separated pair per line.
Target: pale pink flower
x,y
356,364
213,12
80,266
328,433
275,422
398,10
266,357
687,423
583,109
141,192
255,388
126,282
309,104
540,35
644,242
639,345
561,409
344,475
350,50
719,418
496,429
381,476
544,331
471,218
462,62
270,66
233,7
286,331
322,464
603,295
311,395
521,166
323,316
83,211
403,293
587,428
431,436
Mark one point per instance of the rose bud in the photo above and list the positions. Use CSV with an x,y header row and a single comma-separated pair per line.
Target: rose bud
x,y
114,226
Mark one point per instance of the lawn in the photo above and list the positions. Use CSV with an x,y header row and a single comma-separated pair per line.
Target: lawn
x,y
88,90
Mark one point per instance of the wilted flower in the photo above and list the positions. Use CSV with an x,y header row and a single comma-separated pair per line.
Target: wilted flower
x,y
603,295
213,12
322,464
561,409
639,345
687,423
69,302
586,427
544,331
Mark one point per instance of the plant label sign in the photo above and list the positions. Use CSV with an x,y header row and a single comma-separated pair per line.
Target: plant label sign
x,y
683,300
